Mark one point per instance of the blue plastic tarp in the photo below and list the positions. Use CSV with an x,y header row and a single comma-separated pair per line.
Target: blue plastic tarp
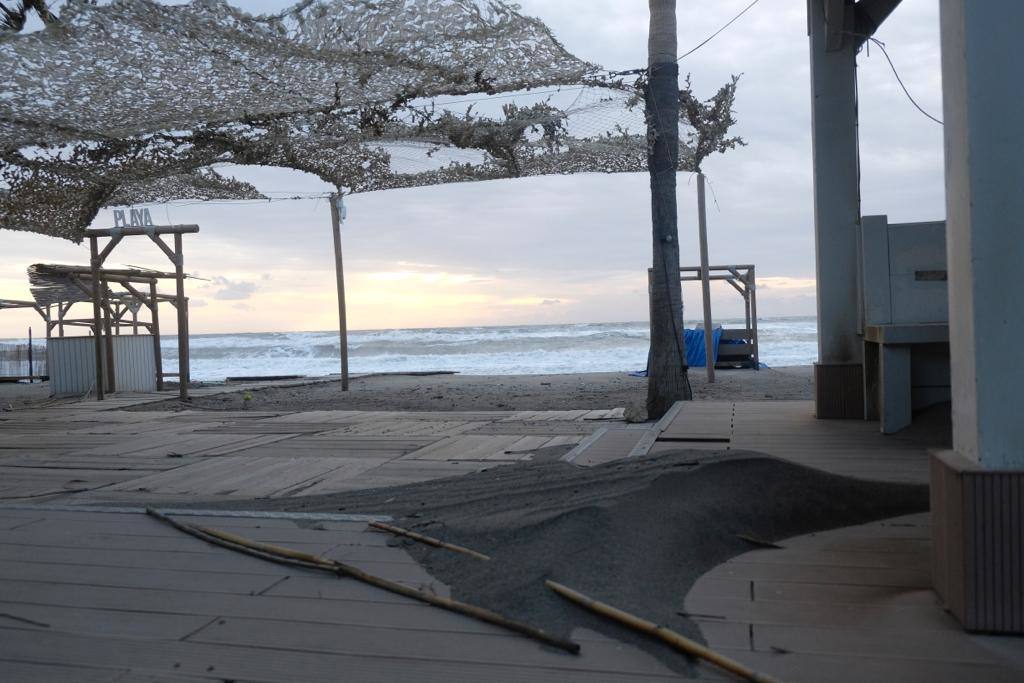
x,y
695,356
694,340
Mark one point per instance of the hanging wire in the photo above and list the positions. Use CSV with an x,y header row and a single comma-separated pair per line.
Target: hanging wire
x,y
712,36
881,46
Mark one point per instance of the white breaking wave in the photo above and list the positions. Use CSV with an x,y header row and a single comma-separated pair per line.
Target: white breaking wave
x,y
512,350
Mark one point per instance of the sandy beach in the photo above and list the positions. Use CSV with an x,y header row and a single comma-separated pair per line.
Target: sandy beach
x,y
503,392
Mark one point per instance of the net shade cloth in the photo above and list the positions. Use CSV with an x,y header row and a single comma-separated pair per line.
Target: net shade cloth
x,y
137,102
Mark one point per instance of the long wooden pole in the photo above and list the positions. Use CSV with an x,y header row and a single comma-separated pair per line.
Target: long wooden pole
x,y
676,640
339,272
108,337
182,306
705,281
154,308
97,332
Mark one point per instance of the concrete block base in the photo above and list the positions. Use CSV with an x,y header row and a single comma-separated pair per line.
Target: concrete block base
x,y
978,543
839,391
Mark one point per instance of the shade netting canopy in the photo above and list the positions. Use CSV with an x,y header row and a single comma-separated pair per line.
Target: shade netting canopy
x,y
135,101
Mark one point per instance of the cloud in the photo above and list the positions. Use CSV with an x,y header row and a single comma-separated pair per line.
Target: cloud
x,y
232,290
550,302
786,283
197,303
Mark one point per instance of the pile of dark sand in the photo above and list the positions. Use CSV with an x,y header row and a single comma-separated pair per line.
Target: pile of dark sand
x,y
634,533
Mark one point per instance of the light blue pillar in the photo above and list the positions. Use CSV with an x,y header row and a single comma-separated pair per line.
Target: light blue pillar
x,y
983,105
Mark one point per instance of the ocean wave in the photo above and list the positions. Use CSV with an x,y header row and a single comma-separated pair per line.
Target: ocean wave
x,y
522,349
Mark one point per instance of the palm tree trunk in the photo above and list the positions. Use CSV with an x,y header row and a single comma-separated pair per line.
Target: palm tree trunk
x,y
667,381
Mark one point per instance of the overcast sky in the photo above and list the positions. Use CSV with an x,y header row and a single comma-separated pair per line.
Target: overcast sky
x,y
564,248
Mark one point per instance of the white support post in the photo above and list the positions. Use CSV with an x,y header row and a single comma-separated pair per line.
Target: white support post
x,y
977,514
838,380
983,111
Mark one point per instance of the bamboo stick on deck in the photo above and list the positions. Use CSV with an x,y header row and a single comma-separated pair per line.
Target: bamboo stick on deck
x,y
297,558
428,540
676,640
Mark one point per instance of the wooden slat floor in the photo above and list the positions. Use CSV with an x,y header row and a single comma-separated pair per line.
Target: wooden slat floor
x,y
94,453
90,596
785,429
125,598
846,606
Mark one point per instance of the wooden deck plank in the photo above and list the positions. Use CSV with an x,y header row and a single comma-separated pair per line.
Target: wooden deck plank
x,y
843,605
260,664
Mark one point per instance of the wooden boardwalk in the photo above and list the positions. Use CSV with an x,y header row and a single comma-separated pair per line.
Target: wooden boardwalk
x,y
95,453
116,596
846,606
91,596
785,429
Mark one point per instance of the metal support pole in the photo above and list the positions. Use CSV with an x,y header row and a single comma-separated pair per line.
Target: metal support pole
x,y
339,269
705,282
30,364
154,308
108,338
752,284
182,305
97,333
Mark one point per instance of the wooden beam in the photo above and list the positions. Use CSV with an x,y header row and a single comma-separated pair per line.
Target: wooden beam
x,y
166,249
868,16
114,241
109,340
94,262
139,230
154,310
178,258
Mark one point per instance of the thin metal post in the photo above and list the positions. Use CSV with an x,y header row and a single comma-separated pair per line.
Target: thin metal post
x,y
154,307
30,364
108,338
339,270
182,305
97,333
753,315
705,282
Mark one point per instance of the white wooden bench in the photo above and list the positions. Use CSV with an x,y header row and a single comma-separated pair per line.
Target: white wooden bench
x,y
904,319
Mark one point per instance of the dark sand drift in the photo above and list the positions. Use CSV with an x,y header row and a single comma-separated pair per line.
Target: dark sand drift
x,y
634,533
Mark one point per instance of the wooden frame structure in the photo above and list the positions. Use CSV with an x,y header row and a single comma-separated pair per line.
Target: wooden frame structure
x,y
45,315
742,279
103,316
59,287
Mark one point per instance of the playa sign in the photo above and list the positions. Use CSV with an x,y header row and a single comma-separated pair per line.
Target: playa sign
x,y
137,217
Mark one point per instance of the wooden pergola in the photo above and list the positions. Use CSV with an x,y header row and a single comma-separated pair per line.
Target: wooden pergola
x,y
56,288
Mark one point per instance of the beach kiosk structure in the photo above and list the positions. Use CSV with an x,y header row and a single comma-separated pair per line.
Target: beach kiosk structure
x,y
888,295
107,360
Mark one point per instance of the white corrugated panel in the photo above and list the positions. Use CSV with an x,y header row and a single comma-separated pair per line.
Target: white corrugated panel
x,y
72,365
134,364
